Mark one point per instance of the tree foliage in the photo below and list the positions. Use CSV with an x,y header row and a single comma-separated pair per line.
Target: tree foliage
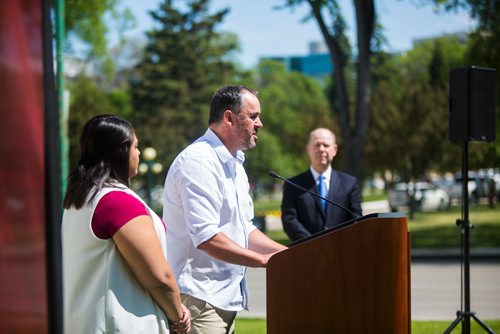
x,y
483,51
353,117
85,21
409,105
87,99
292,105
185,61
409,132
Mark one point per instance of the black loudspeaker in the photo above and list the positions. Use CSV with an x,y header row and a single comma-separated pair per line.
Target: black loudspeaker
x,y
472,104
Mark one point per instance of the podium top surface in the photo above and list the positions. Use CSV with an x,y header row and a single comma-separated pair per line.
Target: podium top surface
x,y
348,223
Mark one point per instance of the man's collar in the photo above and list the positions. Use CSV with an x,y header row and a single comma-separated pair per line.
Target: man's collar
x,y
326,174
221,150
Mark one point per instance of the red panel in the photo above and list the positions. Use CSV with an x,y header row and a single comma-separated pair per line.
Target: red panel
x,y
22,215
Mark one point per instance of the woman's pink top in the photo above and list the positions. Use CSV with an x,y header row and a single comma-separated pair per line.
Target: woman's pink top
x,y
113,211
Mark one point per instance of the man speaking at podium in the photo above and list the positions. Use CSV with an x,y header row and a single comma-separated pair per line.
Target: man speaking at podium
x,y
303,214
207,208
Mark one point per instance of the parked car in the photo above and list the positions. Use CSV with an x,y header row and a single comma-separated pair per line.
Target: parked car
x,y
426,197
477,187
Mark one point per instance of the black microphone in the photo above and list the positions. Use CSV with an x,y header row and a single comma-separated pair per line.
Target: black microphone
x,y
273,174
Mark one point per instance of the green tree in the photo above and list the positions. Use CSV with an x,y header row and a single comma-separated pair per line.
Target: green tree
x,y
409,132
87,99
438,57
292,105
185,61
386,115
353,117
482,50
85,22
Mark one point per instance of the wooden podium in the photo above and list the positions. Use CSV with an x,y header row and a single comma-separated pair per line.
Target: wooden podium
x,y
354,278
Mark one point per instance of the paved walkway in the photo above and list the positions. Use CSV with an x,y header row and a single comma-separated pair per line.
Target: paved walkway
x,y
435,290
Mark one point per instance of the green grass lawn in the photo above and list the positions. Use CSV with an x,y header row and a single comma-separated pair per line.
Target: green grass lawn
x,y
262,206
257,326
437,230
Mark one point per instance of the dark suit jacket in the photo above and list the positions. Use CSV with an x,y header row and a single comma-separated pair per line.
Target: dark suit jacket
x,y
301,212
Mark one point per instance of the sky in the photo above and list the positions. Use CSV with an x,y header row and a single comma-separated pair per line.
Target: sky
x,y
264,31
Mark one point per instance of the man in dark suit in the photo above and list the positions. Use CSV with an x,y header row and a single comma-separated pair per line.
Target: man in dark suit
x,y
303,214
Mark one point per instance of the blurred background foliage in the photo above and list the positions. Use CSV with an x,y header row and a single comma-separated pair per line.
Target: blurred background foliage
x,y
164,88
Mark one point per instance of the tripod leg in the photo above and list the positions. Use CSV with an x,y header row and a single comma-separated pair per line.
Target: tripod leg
x,y
454,323
482,324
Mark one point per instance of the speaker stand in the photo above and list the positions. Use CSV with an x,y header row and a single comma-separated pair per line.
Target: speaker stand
x,y
465,314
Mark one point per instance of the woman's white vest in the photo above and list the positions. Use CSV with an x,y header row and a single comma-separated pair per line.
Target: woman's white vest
x,y
101,294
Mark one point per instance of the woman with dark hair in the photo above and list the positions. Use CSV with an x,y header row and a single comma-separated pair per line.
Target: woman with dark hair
x,y
115,274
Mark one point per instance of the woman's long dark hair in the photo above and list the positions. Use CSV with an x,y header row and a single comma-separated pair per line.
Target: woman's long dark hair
x,y
105,149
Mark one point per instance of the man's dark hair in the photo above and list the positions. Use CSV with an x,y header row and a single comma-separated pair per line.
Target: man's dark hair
x,y
105,150
227,98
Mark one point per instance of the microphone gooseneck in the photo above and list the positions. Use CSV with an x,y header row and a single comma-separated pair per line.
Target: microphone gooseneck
x,y
276,176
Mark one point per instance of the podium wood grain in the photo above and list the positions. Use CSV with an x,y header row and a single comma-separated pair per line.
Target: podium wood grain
x,y
352,280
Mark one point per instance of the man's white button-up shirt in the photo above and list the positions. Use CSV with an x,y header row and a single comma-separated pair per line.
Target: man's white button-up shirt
x,y
207,192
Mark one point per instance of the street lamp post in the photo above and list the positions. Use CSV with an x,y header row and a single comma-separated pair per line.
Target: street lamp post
x,y
149,167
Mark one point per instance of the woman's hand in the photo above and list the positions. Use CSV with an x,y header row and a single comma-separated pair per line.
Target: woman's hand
x,y
183,325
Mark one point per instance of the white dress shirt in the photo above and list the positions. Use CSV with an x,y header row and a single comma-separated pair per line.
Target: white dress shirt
x,y
326,178
207,192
